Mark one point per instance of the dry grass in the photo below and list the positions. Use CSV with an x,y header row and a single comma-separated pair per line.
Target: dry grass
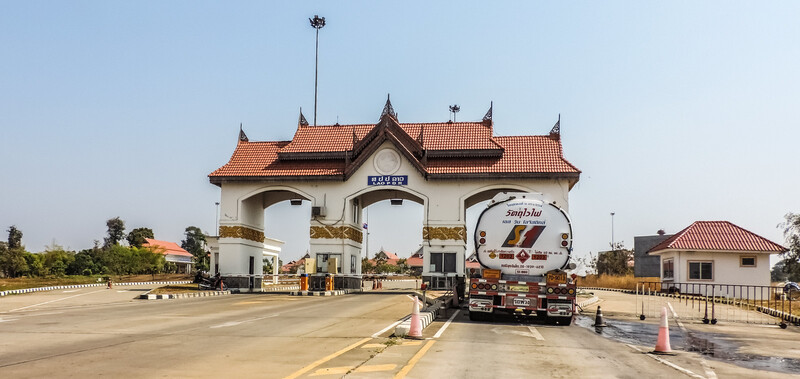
x,y
627,282
175,288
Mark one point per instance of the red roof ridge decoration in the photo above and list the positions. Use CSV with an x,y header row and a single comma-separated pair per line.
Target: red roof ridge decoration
x,y
718,236
165,247
437,150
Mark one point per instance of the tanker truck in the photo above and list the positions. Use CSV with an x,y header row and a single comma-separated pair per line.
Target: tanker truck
x,y
523,244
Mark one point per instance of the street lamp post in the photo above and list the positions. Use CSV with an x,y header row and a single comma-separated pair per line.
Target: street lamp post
x,y
612,232
316,23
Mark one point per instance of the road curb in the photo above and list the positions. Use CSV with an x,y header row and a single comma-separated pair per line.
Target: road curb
x,y
427,315
280,288
321,293
150,296
51,288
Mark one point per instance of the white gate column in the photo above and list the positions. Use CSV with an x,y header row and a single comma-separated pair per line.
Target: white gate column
x,y
241,243
441,244
340,240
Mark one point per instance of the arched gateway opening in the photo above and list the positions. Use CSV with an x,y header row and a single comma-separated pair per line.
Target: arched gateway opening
x,y
341,169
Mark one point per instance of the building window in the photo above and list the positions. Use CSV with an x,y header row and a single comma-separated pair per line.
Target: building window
x,y
352,264
322,262
701,271
668,268
443,262
747,261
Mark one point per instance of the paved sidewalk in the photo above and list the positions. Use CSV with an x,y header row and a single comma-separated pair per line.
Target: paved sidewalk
x,y
728,348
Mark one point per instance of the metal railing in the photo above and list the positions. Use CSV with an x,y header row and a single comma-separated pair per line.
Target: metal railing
x,y
711,303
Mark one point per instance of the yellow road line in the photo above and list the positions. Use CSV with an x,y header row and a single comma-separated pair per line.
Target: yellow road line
x,y
325,359
414,360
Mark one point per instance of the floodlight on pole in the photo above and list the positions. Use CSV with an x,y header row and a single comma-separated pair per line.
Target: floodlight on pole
x,y
316,23
455,109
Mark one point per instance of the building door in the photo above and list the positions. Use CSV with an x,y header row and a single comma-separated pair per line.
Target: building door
x,y
252,271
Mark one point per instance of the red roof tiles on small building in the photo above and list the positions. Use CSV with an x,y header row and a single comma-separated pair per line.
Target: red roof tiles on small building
x,y
165,247
718,236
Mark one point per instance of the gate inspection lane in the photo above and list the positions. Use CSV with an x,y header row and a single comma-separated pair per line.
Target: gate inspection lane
x,y
267,336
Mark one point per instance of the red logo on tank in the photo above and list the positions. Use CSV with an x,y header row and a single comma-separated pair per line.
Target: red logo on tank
x,y
523,256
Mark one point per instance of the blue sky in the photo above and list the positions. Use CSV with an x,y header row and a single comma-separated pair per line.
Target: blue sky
x,y
675,111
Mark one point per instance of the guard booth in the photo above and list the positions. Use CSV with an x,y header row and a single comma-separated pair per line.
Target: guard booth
x,y
446,167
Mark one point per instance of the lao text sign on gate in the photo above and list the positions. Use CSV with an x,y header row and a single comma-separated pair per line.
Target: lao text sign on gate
x,y
387,180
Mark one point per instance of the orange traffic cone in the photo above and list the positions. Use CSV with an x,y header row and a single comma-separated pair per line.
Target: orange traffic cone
x,y
662,345
415,329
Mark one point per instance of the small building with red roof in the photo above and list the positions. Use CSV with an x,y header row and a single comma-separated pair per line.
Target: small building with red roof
x,y
715,252
172,253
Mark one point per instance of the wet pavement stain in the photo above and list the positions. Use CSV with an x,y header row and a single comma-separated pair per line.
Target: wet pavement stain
x,y
711,345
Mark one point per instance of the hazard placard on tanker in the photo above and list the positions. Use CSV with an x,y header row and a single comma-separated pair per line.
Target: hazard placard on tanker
x,y
523,236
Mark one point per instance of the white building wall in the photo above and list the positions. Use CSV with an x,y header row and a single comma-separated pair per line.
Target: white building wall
x,y
728,274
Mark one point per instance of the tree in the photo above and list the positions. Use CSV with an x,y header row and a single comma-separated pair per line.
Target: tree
x,y
12,261
614,262
791,257
195,244
57,260
116,231
12,255
136,236
367,267
14,237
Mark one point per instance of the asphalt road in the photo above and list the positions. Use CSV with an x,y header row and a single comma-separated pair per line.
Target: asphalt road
x,y
96,332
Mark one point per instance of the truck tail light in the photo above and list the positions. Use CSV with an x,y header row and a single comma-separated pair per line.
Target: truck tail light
x,y
494,287
474,285
571,291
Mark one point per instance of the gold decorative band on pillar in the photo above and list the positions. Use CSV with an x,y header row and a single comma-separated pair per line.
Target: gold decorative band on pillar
x,y
444,233
337,232
241,232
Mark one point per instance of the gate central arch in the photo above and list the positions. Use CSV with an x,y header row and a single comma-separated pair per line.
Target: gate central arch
x,y
340,169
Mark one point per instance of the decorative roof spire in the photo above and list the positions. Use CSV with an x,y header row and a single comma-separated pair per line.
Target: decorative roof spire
x,y
556,131
302,121
421,136
487,118
242,136
355,137
387,109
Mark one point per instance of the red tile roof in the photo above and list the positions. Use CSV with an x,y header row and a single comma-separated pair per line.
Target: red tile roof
x,y
165,247
414,261
718,236
461,149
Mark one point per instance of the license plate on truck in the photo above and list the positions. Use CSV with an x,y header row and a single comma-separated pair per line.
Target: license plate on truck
x,y
522,302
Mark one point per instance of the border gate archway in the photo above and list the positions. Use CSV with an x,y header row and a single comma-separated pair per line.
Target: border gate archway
x,y
340,169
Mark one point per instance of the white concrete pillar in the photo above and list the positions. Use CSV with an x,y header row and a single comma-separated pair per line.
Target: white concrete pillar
x,y
441,244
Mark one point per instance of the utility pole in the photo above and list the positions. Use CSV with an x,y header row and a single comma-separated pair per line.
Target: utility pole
x,y
316,23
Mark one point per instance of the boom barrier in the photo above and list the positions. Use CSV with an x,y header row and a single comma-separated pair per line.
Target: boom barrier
x,y
711,303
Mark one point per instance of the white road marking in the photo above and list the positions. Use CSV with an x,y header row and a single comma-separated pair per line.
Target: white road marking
x,y
446,324
706,368
668,363
535,333
386,328
234,323
53,301
70,291
9,320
